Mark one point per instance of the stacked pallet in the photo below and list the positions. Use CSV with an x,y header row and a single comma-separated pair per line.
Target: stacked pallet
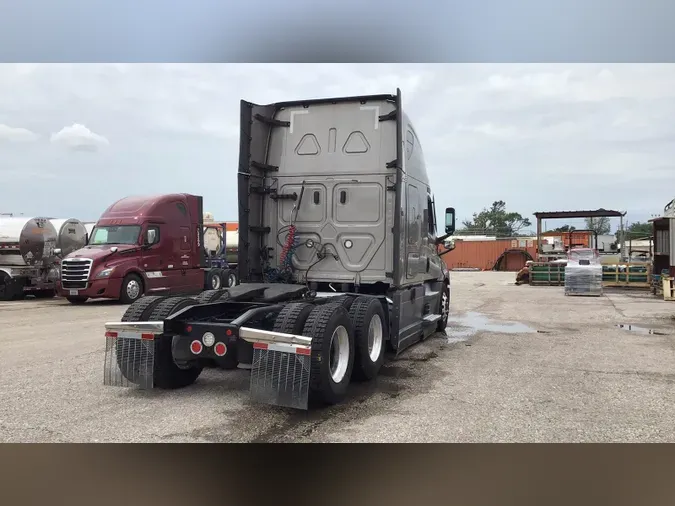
x,y
583,273
583,279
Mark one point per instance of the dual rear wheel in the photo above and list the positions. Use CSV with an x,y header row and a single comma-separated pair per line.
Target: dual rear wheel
x,y
348,335
348,342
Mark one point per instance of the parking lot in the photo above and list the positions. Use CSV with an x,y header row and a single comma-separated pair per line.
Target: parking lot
x,y
519,364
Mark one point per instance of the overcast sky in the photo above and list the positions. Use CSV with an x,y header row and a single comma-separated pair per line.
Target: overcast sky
x,y
74,138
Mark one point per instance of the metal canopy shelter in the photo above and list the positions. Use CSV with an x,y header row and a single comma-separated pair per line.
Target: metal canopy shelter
x,y
559,215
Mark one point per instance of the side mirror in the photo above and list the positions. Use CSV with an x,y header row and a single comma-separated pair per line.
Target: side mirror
x,y
449,220
151,237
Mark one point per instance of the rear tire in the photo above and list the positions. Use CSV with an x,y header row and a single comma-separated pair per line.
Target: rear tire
x,y
370,336
292,318
167,374
208,296
332,358
444,309
141,309
230,278
345,301
132,289
214,279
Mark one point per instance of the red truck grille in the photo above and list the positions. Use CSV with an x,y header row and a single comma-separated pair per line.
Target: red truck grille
x,y
75,272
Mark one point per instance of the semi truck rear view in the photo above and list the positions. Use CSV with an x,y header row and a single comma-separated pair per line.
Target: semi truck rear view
x,y
338,260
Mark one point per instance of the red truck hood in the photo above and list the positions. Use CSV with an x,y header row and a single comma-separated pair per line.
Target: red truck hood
x,y
96,252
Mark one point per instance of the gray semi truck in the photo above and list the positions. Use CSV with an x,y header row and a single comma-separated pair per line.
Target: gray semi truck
x,y
339,261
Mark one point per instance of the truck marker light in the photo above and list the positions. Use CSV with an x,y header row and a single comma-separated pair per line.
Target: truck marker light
x,y
259,346
228,332
109,333
188,328
196,347
220,349
148,337
208,339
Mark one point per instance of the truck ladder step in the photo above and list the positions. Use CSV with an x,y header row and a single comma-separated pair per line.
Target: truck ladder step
x,y
430,319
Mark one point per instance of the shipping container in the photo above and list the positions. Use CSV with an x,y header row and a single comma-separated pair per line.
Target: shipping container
x,y
578,239
484,254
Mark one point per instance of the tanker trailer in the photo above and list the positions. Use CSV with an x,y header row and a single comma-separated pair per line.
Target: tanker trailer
x,y
27,257
71,235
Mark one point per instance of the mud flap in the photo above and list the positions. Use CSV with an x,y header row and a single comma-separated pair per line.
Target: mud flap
x,y
280,375
129,360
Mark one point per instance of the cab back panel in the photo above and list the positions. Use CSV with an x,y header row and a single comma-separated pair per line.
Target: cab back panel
x,y
339,153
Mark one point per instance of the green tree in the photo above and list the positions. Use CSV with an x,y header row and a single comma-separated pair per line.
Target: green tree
x,y
497,221
637,229
601,226
565,228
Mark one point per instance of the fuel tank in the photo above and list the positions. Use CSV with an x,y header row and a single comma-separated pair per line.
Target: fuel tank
x,y
27,242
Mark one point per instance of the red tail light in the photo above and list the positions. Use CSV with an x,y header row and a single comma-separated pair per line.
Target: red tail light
x,y
220,349
196,347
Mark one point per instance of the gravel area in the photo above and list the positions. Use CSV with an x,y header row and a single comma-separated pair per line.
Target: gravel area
x,y
518,364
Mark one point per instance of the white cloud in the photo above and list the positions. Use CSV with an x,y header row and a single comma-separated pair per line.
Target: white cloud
x,y
12,134
539,136
79,138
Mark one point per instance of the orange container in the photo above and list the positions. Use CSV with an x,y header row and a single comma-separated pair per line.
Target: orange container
x,y
484,254
579,239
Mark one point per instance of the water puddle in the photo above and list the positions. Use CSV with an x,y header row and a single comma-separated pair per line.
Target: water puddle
x,y
471,323
641,330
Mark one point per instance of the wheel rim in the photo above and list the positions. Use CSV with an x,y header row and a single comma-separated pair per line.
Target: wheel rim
x,y
133,289
215,282
445,306
339,354
231,280
375,338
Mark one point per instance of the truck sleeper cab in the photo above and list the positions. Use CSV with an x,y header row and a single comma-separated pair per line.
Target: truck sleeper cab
x,y
338,260
139,246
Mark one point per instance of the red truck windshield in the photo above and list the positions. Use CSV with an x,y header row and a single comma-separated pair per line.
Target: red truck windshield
x,y
118,234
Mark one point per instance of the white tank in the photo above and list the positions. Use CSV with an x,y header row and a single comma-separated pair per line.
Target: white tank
x,y
29,241
71,234
232,239
232,246
212,241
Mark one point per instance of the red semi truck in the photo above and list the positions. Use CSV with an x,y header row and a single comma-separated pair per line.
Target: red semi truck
x,y
142,246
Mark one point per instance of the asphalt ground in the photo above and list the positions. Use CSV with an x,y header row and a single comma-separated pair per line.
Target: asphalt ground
x,y
517,364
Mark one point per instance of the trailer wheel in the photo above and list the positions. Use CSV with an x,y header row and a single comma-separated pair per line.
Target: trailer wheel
x,y
445,310
141,309
230,278
132,289
370,335
332,358
167,374
292,318
77,300
214,279
208,296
